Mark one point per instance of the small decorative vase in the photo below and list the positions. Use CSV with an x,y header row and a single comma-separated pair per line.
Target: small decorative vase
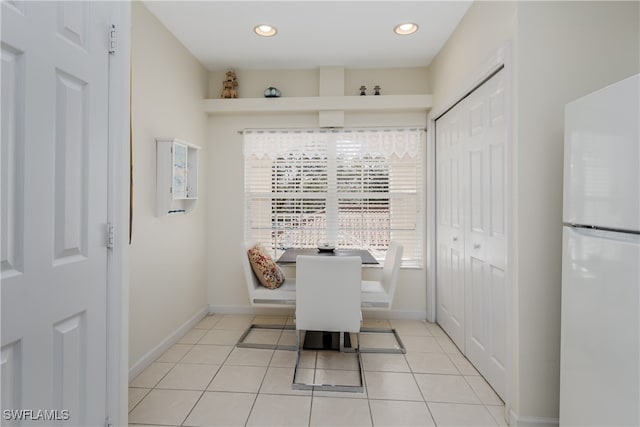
x,y
272,92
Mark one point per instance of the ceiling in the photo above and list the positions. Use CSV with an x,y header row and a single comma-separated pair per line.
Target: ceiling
x,y
353,34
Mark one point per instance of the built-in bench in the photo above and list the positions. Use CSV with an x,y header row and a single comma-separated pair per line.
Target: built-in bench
x,y
260,296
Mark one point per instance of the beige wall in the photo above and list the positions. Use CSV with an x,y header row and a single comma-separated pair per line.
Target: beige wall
x,y
566,50
559,51
168,256
227,288
486,27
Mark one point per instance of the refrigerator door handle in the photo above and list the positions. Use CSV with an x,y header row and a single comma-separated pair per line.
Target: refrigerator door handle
x,y
599,233
595,228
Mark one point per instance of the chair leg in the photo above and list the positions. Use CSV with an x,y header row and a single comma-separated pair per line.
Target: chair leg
x,y
400,349
328,387
253,326
295,385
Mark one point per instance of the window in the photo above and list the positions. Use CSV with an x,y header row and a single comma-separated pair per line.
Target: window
x,y
356,188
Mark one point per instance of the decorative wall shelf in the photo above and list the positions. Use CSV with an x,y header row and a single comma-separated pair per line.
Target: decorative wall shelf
x,y
176,176
318,104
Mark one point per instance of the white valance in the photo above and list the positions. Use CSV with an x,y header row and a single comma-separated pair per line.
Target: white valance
x,y
273,143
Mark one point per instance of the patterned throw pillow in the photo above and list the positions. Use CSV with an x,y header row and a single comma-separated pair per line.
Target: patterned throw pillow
x,y
264,267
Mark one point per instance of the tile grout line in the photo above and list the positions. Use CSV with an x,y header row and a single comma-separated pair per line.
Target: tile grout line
x,y
155,387
313,394
424,399
141,399
208,384
261,382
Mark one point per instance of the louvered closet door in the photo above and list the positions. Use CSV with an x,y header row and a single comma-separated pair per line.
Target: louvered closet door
x,y
55,69
481,160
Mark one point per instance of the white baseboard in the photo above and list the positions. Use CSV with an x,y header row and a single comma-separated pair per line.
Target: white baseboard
x,y
368,314
515,421
152,355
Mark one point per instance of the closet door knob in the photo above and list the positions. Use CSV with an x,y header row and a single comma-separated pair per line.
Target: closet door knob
x,y
476,246
455,239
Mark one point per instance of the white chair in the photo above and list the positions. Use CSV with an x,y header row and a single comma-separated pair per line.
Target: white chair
x,y
328,299
259,296
379,294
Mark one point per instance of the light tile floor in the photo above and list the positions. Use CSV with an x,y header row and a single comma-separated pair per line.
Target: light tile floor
x,y
204,380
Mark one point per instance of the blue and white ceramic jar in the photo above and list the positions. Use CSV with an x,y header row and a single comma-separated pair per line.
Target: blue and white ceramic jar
x,y
271,92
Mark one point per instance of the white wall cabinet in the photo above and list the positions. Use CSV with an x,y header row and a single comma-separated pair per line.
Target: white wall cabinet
x,y
176,176
471,228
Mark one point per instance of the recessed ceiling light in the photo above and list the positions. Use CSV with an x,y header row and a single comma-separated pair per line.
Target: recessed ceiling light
x,y
405,29
265,30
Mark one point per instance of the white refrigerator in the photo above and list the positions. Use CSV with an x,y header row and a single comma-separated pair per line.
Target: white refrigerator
x,y
600,335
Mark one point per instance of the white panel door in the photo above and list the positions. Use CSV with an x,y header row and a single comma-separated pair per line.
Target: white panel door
x,y
485,292
471,287
55,69
451,130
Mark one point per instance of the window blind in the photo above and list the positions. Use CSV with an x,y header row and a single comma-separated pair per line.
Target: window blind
x,y
353,188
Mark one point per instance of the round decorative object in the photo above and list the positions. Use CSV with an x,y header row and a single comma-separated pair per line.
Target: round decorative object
x,y
272,92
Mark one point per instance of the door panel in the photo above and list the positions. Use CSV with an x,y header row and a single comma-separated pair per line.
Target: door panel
x,y
476,115
70,362
444,196
449,220
473,288
55,73
456,195
498,321
496,187
71,168
10,358
456,269
12,179
476,190
486,347
475,315
72,22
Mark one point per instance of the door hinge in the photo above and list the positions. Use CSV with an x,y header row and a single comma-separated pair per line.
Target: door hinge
x,y
111,236
112,39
